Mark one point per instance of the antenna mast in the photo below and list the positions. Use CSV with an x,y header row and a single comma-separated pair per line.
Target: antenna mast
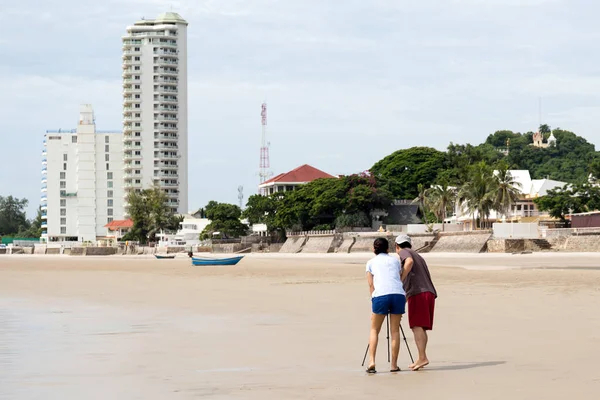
x,y
264,166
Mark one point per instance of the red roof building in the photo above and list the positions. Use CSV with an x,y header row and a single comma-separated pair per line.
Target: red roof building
x,y
118,228
290,180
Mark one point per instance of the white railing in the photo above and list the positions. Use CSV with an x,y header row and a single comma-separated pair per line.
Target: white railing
x,y
312,233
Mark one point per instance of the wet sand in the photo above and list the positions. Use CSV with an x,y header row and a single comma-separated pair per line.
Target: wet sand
x,y
292,327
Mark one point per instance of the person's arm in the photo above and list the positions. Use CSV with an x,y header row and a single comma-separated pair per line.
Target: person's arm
x,y
408,264
370,282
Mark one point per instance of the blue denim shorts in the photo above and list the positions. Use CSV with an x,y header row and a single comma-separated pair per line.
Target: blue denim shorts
x,y
389,304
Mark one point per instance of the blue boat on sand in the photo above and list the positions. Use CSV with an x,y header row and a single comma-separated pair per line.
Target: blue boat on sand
x,y
199,261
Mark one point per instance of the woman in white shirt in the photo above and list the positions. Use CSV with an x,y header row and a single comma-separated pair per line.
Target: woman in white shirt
x,y
387,297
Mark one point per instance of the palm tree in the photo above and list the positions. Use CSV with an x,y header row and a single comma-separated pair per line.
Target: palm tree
x,y
478,193
508,190
439,198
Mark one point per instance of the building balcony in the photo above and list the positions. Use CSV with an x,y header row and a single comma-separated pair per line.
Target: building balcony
x,y
131,156
127,72
168,81
165,61
165,146
166,117
44,180
167,71
44,198
44,153
166,166
44,216
44,207
166,184
130,119
131,52
68,194
128,63
44,170
166,137
166,109
133,185
163,89
167,100
166,175
133,147
44,224
161,156
127,42
130,90
167,43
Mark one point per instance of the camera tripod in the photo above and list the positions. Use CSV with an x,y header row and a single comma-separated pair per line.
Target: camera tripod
x,y
387,321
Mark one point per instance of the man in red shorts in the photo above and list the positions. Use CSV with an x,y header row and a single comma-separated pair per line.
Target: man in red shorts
x,y
420,293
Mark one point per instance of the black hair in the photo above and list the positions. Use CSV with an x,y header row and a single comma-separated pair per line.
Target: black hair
x,y
381,245
405,245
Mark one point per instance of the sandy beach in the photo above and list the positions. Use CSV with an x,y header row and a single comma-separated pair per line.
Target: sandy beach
x,y
292,327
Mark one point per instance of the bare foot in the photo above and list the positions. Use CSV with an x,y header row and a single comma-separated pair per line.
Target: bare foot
x,y
419,364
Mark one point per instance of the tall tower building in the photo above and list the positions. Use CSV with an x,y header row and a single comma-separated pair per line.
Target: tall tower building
x,y
82,172
155,111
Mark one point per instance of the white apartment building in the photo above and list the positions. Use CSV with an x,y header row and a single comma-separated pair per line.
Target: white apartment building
x,y
82,181
155,131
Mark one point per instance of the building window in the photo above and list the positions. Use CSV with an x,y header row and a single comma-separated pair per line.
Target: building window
x,y
107,166
73,139
64,157
106,157
63,212
138,153
63,221
137,76
136,86
137,171
106,148
138,162
63,175
137,106
136,59
109,194
137,124
106,139
109,184
109,220
109,212
289,188
109,203
63,184
63,202
109,175
138,143
138,181
137,96
136,68
63,230
138,134
138,115
64,166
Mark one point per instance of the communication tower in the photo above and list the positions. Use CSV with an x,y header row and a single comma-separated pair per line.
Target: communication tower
x,y
241,196
264,165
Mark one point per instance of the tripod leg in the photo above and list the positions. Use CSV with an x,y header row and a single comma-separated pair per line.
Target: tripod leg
x,y
387,319
406,342
365,357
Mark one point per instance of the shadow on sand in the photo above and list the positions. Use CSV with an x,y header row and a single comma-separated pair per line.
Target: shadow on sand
x,y
460,366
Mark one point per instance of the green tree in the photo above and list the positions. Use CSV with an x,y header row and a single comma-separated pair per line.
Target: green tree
x,y
35,227
440,198
224,220
478,193
545,130
150,214
594,170
570,199
508,190
12,215
401,172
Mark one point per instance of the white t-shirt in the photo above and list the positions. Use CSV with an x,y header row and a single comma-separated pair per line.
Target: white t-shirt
x,y
386,275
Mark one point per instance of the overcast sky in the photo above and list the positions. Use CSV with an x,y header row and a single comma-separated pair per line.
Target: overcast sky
x,y
347,82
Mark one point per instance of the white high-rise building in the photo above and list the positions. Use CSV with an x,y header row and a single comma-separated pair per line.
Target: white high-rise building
x,y
155,131
82,175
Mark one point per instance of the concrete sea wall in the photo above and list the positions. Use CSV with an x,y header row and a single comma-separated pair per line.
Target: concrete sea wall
x,y
462,242
318,244
293,244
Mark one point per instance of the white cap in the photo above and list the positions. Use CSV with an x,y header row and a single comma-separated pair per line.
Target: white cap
x,y
403,239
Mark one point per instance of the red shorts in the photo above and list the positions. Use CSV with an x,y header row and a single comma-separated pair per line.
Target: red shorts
x,y
420,310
